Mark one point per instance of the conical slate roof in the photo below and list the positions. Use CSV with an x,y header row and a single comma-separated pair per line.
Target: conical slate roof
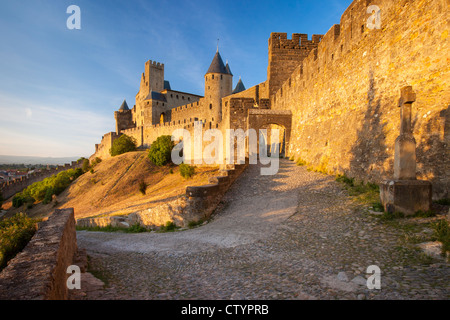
x,y
124,106
227,67
239,87
217,65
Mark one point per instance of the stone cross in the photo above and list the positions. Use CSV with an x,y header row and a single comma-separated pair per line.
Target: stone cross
x,y
405,144
406,100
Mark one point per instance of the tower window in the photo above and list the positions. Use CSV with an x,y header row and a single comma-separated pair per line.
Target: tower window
x,y
210,106
213,77
221,77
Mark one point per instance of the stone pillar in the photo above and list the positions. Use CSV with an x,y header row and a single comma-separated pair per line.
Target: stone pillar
x,y
405,144
404,193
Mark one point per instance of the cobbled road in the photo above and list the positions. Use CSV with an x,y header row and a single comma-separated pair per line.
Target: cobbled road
x,y
294,235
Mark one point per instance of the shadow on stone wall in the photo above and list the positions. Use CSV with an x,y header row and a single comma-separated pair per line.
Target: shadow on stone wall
x,y
369,153
433,154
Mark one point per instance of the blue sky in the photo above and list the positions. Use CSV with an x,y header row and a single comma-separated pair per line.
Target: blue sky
x,y
60,87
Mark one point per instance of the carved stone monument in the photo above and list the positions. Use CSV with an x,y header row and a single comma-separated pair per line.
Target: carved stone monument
x,y
405,193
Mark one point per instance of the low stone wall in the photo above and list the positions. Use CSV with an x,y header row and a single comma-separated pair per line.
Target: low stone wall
x,y
39,271
198,203
204,199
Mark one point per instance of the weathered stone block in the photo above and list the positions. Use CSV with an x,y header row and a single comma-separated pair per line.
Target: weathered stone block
x,y
405,158
406,196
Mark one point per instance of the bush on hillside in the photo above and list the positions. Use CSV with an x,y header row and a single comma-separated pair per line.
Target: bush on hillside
x,y
142,187
15,233
160,151
45,189
186,170
123,144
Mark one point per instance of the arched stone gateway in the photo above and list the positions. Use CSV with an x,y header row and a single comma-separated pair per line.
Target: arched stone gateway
x,y
272,119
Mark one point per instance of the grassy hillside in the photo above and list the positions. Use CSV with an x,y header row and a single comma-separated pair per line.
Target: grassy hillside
x,y
113,188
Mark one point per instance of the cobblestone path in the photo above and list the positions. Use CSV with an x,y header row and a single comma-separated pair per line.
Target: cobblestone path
x,y
295,235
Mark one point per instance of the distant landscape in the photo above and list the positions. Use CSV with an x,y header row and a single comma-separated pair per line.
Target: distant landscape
x,y
7,159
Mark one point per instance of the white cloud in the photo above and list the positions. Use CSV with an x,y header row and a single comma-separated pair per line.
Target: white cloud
x,y
57,130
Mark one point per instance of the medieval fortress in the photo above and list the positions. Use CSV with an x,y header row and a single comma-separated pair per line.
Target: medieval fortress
x,y
334,97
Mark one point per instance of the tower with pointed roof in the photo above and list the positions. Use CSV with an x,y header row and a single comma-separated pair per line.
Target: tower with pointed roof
x,y
218,84
124,118
239,86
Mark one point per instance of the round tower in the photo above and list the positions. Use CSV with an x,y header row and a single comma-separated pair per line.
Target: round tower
x,y
218,84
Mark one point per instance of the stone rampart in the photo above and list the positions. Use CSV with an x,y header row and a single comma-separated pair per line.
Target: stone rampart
x,y
10,188
344,95
39,272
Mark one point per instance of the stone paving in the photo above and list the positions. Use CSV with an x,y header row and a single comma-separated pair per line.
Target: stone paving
x,y
295,235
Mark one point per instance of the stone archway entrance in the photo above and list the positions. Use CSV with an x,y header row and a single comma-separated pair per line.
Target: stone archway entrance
x,y
272,119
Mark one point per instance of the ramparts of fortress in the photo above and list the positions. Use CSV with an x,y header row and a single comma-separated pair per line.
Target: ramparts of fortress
x,y
336,96
9,188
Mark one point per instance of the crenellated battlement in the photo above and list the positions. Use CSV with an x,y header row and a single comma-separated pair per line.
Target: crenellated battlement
x,y
286,54
155,64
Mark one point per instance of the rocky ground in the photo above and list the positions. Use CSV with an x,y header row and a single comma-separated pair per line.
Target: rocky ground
x,y
295,235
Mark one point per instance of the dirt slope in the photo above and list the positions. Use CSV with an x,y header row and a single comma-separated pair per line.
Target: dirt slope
x,y
113,188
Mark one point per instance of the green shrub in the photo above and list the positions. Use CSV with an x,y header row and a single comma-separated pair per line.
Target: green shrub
x,y
86,166
122,145
160,150
424,214
392,216
186,170
48,196
442,234
444,202
346,180
193,224
15,233
377,207
142,187
170,226
44,189
96,161
136,228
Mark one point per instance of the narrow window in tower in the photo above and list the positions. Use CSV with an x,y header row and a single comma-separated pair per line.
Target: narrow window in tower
x,y
182,97
177,96
210,106
213,77
221,77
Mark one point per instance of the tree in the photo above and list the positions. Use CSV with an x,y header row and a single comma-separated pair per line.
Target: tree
x,y
122,145
85,167
160,150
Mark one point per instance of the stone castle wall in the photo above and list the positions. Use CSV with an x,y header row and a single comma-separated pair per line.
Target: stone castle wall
x,y
285,55
344,99
10,188
39,271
